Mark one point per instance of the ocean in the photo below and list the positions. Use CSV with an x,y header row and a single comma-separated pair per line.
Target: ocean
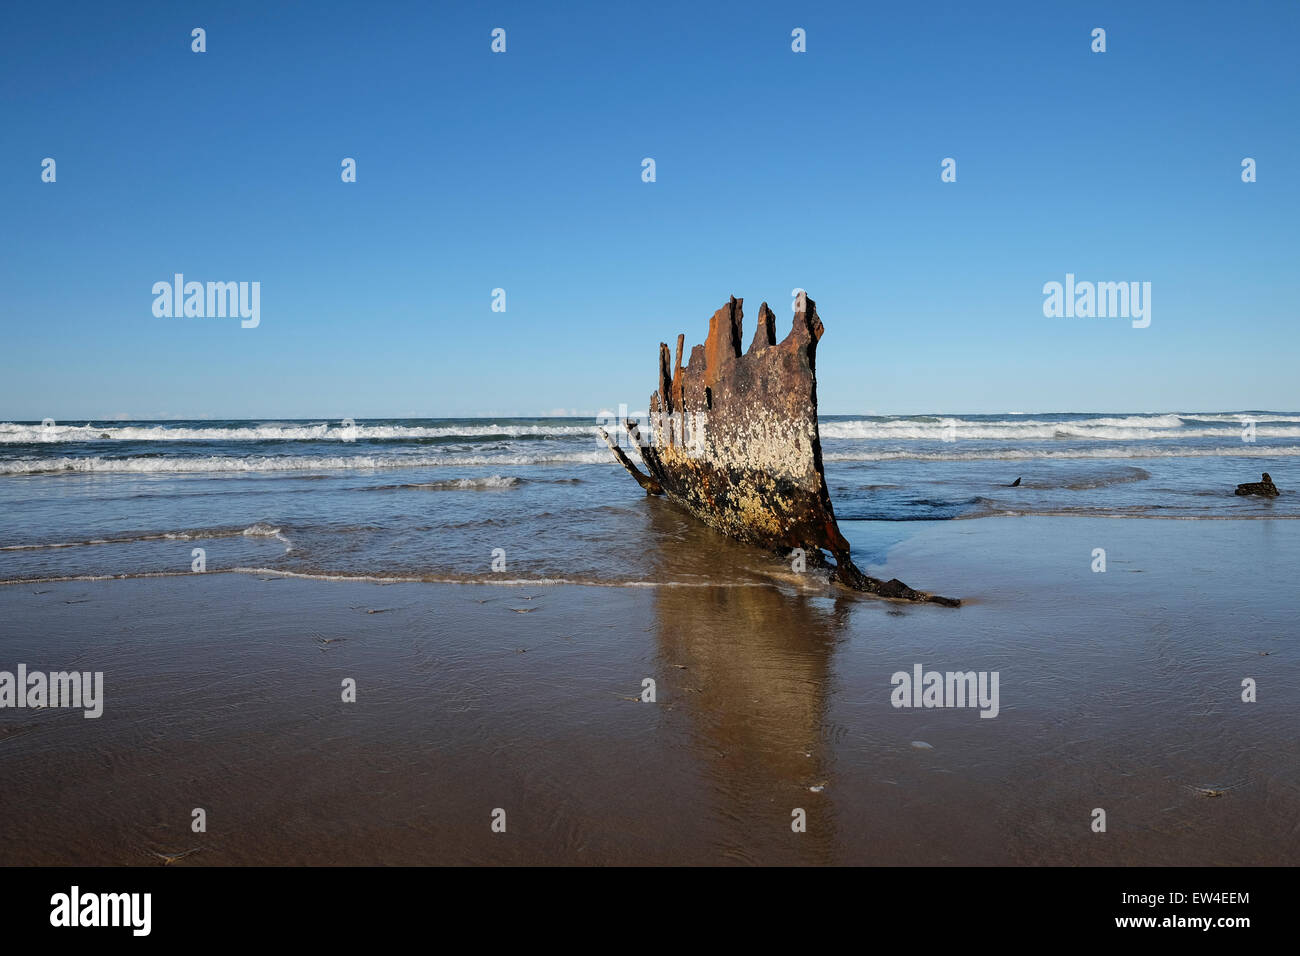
x,y
540,500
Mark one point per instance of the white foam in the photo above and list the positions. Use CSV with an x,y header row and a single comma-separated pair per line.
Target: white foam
x,y
325,431
1024,454
1238,417
282,463
259,530
1130,428
491,482
1112,428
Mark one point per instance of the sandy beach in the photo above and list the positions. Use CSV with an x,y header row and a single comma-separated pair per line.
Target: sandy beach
x,y
1118,690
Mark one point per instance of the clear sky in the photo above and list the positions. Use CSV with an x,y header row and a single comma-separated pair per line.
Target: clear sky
x,y
523,171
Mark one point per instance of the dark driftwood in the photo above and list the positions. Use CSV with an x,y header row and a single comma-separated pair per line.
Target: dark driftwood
x,y
1266,488
649,484
736,442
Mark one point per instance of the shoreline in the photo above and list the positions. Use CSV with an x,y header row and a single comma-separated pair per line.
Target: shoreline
x,y
860,527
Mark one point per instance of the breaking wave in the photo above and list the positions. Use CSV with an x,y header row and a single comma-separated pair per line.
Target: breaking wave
x,y
914,427
284,463
1026,454
11,433
259,530
1129,428
490,483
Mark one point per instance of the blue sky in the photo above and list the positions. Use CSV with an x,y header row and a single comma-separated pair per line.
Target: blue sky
x,y
522,171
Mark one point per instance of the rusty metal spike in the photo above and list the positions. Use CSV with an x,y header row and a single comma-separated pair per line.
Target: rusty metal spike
x,y
765,332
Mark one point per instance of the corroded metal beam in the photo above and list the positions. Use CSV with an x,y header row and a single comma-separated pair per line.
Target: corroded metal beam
x,y
649,484
735,442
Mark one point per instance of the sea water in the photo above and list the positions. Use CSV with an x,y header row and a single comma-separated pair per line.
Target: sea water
x,y
541,499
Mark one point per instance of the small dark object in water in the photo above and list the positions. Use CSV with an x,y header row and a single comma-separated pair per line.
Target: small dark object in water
x,y
1014,484
1265,488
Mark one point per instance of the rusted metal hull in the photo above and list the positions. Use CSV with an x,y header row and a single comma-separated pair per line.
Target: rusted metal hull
x,y
735,441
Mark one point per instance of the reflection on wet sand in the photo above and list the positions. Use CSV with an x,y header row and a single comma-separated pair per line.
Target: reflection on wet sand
x,y
750,666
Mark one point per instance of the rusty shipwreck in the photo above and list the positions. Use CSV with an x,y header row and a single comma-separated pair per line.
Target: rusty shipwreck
x,y
734,440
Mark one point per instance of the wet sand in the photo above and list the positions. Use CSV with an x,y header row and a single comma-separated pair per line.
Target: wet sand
x,y
1119,690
